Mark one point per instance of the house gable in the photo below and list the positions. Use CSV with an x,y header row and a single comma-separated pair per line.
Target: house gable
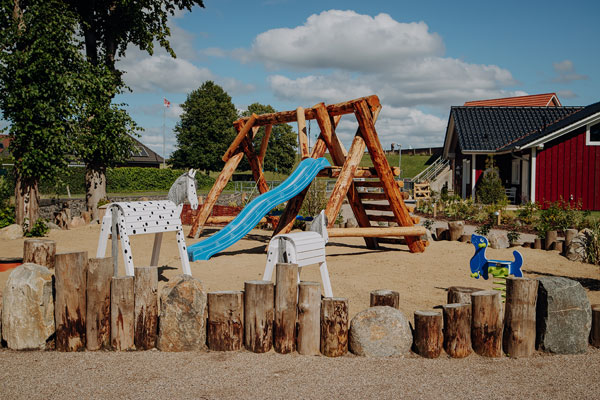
x,y
535,100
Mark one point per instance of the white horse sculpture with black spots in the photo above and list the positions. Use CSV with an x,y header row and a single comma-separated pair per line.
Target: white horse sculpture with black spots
x,y
142,217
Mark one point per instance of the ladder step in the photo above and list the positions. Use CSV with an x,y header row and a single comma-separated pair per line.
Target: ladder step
x,y
361,172
378,196
374,184
382,218
383,207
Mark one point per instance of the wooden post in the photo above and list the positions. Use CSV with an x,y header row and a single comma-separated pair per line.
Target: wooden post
x,y
263,145
595,332
569,236
97,320
457,330
383,297
146,307
486,326
309,318
550,239
40,252
558,246
70,303
302,138
242,134
428,333
456,229
461,294
519,317
286,292
442,233
537,244
122,314
225,320
258,315
334,326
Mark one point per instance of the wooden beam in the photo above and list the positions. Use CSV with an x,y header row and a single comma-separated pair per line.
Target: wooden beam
x,y
243,133
264,143
381,218
225,219
374,184
411,231
392,191
372,196
302,138
383,207
361,172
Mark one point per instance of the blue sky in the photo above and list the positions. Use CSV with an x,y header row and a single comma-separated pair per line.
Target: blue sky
x,y
420,57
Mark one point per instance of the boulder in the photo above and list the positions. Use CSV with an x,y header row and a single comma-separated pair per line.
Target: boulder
x,y
576,248
76,222
564,316
52,225
182,315
380,332
28,308
498,240
11,232
351,223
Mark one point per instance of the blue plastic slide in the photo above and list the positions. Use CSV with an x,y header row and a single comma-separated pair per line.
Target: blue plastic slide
x,y
259,207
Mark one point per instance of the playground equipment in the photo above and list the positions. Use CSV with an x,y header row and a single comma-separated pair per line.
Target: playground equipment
x,y
481,266
141,217
345,168
257,209
301,248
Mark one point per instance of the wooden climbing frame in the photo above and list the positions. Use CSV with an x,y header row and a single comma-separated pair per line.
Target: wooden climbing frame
x,y
345,167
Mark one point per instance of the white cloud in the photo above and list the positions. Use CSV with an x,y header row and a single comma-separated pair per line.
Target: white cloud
x,y
153,138
566,72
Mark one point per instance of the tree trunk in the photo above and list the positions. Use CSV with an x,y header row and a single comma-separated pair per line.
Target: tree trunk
x,y
486,326
95,189
520,319
457,330
27,201
385,298
428,333
259,308
334,326
309,318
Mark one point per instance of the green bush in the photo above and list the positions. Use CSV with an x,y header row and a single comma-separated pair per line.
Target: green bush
x,y
490,190
558,216
7,216
38,229
315,200
592,244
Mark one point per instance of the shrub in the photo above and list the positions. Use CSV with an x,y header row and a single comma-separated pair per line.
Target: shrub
x,y
315,200
490,190
558,216
428,224
484,229
592,244
512,235
527,213
38,229
7,216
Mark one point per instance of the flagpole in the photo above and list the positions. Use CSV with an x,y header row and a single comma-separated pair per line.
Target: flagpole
x,y
164,153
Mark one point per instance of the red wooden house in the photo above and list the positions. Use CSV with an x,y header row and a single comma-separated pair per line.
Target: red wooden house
x,y
544,151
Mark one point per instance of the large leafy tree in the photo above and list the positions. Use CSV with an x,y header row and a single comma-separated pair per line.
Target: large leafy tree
x,y
41,74
205,130
108,28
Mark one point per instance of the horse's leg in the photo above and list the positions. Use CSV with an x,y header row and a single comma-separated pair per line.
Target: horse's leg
x,y
185,260
126,247
104,232
156,249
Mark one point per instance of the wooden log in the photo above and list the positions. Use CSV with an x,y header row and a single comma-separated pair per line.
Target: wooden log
x,y
225,320
558,246
146,307
461,294
264,144
465,238
537,244
486,326
383,207
334,326
258,315
550,239
97,326
361,172
442,233
595,332
456,229
569,236
302,138
457,330
286,292
70,272
242,134
520,317
122,313
40,252
429,336
309,318
225,219
377,232
384,297
214,193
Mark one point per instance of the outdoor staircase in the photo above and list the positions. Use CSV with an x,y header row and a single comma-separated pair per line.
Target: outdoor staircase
x,y
430,173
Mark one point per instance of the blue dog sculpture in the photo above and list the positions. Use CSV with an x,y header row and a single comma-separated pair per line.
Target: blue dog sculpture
x,y
480,265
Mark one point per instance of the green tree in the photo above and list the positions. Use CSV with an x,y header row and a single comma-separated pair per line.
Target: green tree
x,y
281,150
205,130
41,73
490,190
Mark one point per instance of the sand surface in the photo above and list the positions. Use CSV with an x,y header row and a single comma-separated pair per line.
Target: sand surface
x,y
421,280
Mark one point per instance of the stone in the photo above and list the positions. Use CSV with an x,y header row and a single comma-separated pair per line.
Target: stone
x,y
76,222
564,316
428,236
28,308
87,216
498,240
11,232
182,324
380,332
351,223
576,249
52,225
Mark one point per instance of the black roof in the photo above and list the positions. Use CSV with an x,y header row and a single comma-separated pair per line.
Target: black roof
x,y
143,154
495,128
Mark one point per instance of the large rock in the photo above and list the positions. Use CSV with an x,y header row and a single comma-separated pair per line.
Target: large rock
x,y
564,316
11,232
498,240
380,332
576,249
182,315
77,222
28,308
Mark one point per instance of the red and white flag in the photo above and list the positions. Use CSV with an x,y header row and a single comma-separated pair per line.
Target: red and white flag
x,y
167,102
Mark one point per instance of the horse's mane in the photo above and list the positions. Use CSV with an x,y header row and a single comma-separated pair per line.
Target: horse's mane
x,y
178,192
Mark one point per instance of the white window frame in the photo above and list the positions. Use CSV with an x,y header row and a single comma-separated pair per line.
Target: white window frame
x,y
515,176
588,141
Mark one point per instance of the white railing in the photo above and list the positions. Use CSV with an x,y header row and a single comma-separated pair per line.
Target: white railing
x,y
430,173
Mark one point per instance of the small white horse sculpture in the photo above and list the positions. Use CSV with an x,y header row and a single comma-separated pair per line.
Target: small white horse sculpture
x,y
140,217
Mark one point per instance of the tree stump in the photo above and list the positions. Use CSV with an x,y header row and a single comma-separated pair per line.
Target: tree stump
x,y
225,320
457,330
334,326
456,229
383,297
569,236
486,326
465,238
98,304
537,243
259,311
145,289
70,302
550,239
39,251
309,318
428,334
519,317
286,292
558,246
595,332
122,313
441,233
461,294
